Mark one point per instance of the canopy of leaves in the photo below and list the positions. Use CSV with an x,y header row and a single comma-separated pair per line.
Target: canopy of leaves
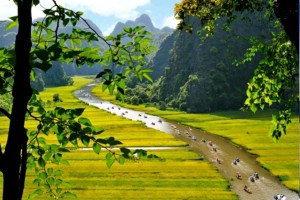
x,y
49,48
275,79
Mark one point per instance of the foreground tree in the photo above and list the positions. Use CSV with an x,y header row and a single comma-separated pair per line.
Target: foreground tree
x,y
275,79
38,48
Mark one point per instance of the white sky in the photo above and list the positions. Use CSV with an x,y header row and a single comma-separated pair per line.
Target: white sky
x,y
106,13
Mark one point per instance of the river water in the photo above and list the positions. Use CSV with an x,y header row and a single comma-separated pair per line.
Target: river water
x,y
217,150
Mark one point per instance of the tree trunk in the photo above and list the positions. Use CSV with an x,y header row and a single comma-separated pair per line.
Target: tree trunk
x,y
288,14
14,158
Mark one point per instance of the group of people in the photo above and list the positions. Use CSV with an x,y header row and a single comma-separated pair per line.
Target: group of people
x,y
280,197
188,132
254,177
238,176
235,161
247,189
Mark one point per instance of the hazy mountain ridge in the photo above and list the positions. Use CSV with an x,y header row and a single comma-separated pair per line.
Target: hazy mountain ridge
x,y
7,38
143,20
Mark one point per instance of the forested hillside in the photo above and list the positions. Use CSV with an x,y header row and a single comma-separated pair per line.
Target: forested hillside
x,y
200,76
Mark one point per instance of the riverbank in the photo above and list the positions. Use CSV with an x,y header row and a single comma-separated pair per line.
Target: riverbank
x,y
246,129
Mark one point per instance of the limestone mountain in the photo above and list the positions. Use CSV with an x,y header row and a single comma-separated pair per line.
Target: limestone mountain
x,y
158,35
199,76
143,20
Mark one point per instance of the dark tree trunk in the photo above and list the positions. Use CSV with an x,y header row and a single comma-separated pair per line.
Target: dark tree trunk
x,y
287,12
13,164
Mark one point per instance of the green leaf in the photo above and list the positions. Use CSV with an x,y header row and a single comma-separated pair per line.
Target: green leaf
x,y
125,150
58,173
112,141
58,190
109,38
74,21
108,156
100,74
43,175
36,2
69,195
145,75
84,121
87,130
79,13
253,108
111,88
140,152
12,25
76,112
42,54
37,181
66,21
47,156
97,131
48,21
51,180
74,126
41,162
65,162
97,148
109,162
50,171
138,68
102,141
121,160
138,39
138,28
127,29
121,91
36,193
85,140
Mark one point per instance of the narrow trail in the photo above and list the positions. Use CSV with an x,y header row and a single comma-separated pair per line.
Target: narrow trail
x,y
212,147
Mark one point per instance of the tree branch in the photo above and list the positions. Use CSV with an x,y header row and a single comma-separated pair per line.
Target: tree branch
x,y
7,114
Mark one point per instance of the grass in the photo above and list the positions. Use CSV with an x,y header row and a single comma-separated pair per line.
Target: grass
x,y
181,174
245,129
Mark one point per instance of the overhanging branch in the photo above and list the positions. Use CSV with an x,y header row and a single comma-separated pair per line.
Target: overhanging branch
x,y
7,114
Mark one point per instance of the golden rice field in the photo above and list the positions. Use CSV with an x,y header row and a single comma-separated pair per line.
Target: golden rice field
x,y
246,129
179,174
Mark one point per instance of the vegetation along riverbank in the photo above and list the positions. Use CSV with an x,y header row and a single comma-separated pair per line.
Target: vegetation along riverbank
x,y
242,128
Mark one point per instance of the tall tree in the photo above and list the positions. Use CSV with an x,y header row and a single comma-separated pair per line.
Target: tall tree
x,y
13,165
50,45
275,79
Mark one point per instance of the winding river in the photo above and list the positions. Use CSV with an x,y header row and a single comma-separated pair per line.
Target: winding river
x,y
217,150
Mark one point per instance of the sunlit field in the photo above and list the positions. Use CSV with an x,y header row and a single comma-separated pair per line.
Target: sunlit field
x,y
246,129
178,174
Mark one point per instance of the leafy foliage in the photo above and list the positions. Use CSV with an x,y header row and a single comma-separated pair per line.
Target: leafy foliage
x,y
209,12
275,77
274,80
132,54
50,46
